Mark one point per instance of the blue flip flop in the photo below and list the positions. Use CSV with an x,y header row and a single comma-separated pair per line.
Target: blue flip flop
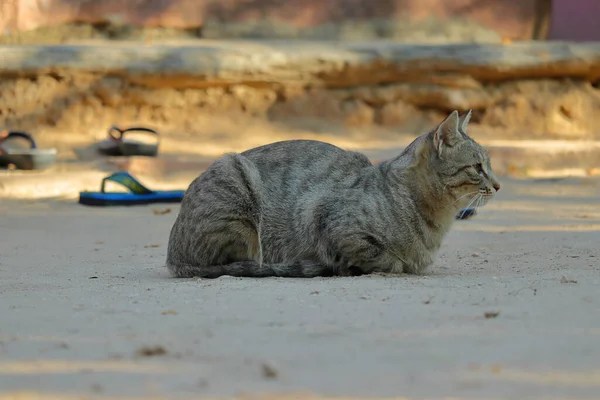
x,y
466,213
139,194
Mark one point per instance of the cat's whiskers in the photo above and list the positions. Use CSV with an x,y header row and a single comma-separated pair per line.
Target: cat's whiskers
x,y
464,195
480,200
475,198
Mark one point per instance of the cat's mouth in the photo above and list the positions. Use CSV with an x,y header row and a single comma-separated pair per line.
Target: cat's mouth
x,y
485,198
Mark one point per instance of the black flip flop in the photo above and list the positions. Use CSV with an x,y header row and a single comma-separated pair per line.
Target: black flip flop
x,y
118,145
27,159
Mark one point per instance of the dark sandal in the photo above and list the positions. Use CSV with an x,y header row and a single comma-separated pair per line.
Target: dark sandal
x,y
118,145
26,159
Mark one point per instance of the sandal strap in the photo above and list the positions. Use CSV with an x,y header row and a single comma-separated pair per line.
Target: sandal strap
x,y
126,180
121,132
6,135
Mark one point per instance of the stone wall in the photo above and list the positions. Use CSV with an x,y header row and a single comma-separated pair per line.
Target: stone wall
x,y
530,90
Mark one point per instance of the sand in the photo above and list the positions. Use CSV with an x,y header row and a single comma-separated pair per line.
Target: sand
x,y
510,309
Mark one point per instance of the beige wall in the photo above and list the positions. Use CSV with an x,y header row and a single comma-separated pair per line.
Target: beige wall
x,y
509,18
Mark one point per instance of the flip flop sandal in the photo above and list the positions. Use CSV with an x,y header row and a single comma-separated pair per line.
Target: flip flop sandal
x,y
466,213
138,193
27,159
118,145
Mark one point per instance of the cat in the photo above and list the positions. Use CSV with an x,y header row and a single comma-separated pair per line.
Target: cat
x,y
305,208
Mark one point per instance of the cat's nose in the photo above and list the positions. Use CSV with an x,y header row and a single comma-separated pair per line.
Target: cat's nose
x,y
497,187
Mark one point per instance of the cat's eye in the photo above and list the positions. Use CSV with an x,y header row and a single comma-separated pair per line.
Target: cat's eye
x,y
479,169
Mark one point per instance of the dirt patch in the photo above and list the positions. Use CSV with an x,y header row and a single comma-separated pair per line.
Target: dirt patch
x,y
151,351
79,103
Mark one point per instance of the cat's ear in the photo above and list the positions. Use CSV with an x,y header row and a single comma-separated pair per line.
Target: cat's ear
x,y
447,133
463,121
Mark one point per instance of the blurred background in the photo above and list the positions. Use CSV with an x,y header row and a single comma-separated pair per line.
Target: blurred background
x,y
529,70
43,21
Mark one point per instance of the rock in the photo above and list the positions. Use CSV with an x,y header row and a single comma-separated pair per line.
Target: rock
x,y
108,90
357,113
566,108
426,96
316,103
395,113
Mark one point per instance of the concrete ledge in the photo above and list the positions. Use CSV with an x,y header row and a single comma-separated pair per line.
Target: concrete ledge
x,y
328,63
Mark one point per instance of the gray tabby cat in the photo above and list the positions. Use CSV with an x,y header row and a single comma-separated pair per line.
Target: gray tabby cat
x,y
304,208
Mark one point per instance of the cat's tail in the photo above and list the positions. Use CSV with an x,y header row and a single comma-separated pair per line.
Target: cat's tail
x,y
250,268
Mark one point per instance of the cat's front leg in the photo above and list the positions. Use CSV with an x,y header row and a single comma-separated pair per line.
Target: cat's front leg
x,y
364,253
385,265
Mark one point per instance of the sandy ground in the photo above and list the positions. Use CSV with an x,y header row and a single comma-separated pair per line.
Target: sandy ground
x,y
87,309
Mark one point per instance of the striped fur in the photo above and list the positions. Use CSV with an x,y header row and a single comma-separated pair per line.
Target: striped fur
x,y
304,208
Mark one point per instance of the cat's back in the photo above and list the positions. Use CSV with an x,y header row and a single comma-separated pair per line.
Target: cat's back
x,y
295,162
291,152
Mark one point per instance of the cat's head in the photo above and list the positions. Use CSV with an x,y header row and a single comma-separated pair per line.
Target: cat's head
x,y
460,164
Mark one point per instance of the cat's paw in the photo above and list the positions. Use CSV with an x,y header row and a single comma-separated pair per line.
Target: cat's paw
x,y
350,271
